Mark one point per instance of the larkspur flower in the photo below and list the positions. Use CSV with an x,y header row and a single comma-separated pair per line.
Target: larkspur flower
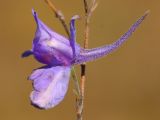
x,y
59,54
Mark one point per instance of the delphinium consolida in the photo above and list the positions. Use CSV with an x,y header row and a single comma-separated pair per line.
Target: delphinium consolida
x,y
60,54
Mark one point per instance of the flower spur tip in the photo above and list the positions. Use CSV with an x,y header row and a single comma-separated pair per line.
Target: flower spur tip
x,y
147,12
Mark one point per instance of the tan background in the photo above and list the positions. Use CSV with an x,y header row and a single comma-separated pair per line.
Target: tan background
x,y
124,85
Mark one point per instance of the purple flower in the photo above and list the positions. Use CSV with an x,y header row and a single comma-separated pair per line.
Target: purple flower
x,y
59,54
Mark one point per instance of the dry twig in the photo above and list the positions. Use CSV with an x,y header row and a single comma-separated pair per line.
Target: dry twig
x,y
59,15
88,13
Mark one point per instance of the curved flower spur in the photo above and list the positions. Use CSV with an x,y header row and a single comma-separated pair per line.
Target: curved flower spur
x,y
59,54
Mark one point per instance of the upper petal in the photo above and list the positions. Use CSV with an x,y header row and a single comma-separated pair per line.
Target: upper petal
x,y
51,48
73,35
44,31
50,86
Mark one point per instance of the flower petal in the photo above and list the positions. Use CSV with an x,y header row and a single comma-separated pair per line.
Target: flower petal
x,y
50,86
44,31
26,53
73,34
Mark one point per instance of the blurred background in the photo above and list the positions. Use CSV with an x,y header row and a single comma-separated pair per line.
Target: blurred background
x,y
122,86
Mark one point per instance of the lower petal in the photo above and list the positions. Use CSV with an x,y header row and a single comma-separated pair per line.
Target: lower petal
x,y
50,86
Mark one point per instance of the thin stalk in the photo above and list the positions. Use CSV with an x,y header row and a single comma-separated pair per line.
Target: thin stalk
x,y
76,83
88,13
59,15
80,101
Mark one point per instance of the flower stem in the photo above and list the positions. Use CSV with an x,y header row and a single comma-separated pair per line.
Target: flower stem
x,y
80,101
88,13
76,83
